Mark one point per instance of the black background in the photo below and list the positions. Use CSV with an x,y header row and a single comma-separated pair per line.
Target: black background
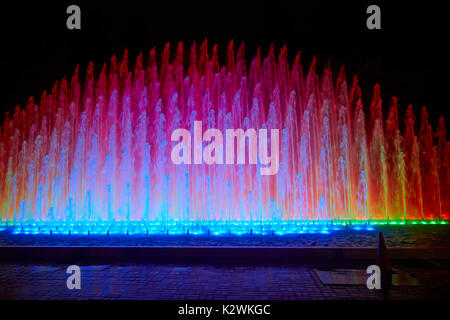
x,y
408,56
168,309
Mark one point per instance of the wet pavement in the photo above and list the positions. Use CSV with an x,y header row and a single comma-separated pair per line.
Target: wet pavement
x,y
199,281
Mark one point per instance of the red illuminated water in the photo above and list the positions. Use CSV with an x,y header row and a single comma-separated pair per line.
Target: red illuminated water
x,y
100,148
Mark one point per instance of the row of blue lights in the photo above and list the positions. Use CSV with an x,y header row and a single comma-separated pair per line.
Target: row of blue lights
x,y
177,228
201,228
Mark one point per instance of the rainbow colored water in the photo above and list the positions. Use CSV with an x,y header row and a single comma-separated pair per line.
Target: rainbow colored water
x,y
94,155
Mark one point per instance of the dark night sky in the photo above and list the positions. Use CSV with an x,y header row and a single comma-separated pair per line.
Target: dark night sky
x,y
407,57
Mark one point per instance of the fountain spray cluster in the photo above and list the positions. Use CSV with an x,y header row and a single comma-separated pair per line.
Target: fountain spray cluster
x,y
97,152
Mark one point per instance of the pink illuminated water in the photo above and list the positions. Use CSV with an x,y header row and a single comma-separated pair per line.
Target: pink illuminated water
x,y
100,149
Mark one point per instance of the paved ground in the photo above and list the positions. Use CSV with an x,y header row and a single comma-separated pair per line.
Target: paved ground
x,y
200,281
423,236
156,281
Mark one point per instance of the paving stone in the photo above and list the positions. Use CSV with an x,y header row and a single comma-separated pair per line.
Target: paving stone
x,y
159,281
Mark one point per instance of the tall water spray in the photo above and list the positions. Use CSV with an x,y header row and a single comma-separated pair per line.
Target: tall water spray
x,y
97,153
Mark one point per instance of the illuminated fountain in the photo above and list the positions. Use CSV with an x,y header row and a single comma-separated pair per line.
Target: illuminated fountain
x,y
95,156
